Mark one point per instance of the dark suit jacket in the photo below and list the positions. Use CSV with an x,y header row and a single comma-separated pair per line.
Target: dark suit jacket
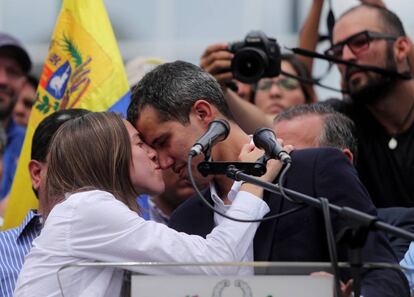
x,y
300,236
401,217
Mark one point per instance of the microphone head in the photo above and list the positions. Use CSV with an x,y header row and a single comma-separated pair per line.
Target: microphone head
x,y
225,126
265,139
262,136
218,130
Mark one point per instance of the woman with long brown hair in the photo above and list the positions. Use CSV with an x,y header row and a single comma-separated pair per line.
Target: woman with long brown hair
x,y
97,165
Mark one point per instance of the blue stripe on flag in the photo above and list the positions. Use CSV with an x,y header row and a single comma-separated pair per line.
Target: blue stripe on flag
x,y
121,105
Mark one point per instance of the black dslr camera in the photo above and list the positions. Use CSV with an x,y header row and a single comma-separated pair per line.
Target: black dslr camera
x,y
256,57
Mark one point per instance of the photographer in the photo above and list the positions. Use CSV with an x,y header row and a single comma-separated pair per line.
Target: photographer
x,y
217,60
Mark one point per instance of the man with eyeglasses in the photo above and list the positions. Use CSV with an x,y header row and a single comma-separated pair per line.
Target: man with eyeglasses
x,y
382,105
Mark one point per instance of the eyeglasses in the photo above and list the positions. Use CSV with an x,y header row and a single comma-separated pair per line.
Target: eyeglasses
x,y
357,43
265,84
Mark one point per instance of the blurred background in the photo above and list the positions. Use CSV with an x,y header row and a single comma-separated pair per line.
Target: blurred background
x,y
181,29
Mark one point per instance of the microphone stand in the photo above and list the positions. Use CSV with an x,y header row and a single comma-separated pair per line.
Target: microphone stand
x,y
361,222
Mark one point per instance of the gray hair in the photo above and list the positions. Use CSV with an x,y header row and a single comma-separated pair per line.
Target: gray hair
x,y
337,128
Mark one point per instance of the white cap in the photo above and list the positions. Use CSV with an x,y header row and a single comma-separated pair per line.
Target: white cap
x,y
139,66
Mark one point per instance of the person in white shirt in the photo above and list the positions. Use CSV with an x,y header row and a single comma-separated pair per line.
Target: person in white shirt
x,y
97,166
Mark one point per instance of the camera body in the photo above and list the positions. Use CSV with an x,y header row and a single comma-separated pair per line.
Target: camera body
x,y
255,57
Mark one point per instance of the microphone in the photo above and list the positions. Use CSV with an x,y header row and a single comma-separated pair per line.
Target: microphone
x,y
265,139
217,131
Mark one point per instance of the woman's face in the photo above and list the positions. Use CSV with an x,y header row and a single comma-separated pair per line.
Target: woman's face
x,y
278,93
145,171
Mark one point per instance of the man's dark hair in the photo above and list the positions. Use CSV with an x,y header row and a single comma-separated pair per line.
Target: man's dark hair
x,y
33,81
391,23
47,128
172,89
337,128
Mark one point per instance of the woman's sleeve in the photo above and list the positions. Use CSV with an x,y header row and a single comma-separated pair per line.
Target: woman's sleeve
x,y
104,229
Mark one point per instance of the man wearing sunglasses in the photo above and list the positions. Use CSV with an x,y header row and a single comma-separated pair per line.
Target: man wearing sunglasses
x,y
381,104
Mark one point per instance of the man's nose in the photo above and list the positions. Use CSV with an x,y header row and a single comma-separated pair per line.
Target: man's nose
x,y
4,77
275,90
347,53
165,161
19,109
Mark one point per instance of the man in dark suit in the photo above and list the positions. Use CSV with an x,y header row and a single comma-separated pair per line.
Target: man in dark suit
x,y
401,217
319,125
172,107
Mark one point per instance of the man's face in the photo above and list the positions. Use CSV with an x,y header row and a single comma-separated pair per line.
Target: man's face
x,y
172,141
301,132
362,85
23,107
11,81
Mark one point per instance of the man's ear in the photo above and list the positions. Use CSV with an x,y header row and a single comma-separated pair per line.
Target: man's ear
x,y
349,155
203,111
35,171
402,49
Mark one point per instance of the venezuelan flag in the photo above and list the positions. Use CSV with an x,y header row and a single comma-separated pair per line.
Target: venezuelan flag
x,y
83,69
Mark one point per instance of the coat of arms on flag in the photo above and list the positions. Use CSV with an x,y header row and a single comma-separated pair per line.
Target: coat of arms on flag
x,y
70,67
83,69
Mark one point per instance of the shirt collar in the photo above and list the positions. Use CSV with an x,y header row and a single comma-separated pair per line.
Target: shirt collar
x,y
11,124
12,127
231,195
156,212
32,220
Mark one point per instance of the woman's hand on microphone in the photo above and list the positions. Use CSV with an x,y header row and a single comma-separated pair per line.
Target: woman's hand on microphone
x,y
273,166
250,153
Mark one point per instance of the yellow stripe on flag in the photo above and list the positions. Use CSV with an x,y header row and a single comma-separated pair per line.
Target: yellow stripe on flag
x,y
83,69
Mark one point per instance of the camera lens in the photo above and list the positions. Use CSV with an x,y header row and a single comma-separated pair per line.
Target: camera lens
x,y
249,65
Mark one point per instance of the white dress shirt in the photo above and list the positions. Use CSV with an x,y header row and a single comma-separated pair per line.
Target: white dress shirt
x,y
94,226
220,206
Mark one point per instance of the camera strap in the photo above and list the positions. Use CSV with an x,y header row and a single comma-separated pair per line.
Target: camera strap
x,y
386,72
330,22
310,81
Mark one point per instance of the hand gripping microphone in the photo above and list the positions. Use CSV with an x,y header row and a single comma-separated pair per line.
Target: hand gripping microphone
x,y
217,131
265,139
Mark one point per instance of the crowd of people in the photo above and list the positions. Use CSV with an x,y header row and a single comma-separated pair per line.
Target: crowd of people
x,y
128,196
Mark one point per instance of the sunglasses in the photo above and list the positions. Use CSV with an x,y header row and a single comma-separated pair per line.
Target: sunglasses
x,y
284,83
357,43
